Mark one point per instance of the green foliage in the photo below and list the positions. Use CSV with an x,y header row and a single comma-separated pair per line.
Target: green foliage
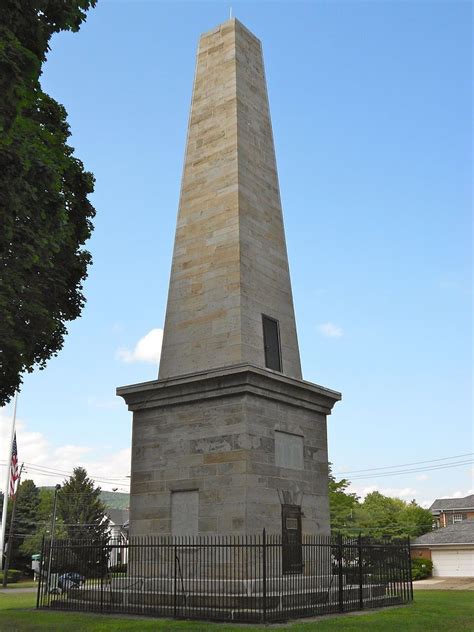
x,y
12,576
32,544
414,520
26,519
80,507
381,515
44,211
421,569
342,505
377,516
84,518
119,569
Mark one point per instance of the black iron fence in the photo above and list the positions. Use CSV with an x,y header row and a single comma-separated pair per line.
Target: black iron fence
x,y
242,578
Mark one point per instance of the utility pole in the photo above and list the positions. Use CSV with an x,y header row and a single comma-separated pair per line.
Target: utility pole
x,y
10,535
7,486
53,524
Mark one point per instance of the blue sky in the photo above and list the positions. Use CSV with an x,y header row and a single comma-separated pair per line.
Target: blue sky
x,y
370,106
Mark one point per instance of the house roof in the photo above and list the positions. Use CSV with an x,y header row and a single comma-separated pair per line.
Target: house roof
x,y
459,533
117,516
442,504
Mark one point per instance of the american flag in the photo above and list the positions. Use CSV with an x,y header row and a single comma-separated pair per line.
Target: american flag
x,y
14,468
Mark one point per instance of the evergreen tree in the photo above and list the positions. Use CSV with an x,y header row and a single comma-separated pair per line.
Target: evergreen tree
x,y
25,525
81,509
26,519
83,514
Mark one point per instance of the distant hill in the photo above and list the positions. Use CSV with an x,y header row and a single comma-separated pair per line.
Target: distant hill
x,y
114,500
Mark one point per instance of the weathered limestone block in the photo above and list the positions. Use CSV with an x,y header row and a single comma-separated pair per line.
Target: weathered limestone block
x,y
220,428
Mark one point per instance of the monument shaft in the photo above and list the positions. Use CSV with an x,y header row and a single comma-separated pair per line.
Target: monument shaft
x,y
230,263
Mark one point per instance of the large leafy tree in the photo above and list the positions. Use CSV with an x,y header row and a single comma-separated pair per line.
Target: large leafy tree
x,y
45,216
377,516
342,505
381,515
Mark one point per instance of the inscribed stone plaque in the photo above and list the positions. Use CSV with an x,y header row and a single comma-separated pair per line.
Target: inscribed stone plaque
x,y
289,450
184,513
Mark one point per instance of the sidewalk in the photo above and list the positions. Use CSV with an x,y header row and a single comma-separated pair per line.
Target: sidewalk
x,y
445,583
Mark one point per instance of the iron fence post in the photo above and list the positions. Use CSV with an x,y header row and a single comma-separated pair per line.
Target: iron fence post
x,y
264,575
40,573
175,579
361,574
410,576
101,553
340,573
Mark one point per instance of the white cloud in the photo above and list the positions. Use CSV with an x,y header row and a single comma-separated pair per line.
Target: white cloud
x,y
110,470
460,494
422,477
330,330
147,349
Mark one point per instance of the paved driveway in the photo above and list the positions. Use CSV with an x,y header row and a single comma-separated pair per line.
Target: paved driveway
x,y
445,583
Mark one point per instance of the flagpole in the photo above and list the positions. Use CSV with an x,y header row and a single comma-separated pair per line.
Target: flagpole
x,y
7,486
10,535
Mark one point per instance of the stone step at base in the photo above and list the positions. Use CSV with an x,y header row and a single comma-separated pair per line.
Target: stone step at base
x,y
274,600
249,613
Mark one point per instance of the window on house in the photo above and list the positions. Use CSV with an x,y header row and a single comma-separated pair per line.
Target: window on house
x,y
289,450
184,512
271,343
457,518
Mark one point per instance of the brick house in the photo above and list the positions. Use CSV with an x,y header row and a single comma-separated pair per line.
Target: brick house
x,y
448,511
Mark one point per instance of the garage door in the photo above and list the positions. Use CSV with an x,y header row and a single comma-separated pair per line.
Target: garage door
x,y
453,563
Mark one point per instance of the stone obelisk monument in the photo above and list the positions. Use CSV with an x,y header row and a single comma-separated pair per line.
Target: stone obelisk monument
x,y
229,439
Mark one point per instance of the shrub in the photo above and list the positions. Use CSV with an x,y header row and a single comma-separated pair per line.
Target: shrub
x,y
12,577
118,568
421,569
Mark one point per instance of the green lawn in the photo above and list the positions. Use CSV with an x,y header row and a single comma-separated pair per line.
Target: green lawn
x,y
432,610
22,584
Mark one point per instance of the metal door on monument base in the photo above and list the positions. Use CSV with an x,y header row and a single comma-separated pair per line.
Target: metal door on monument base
x,y
291,551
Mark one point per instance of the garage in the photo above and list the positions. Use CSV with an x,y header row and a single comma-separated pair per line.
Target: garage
x,y
451,549
454,563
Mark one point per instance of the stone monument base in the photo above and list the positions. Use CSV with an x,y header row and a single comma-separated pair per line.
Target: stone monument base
x,y
225,451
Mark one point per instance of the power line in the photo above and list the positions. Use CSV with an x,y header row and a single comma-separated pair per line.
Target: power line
x,y
389,467
413,471
52,471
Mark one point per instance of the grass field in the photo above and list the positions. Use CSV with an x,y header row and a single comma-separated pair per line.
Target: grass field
x,y
432,610
22,584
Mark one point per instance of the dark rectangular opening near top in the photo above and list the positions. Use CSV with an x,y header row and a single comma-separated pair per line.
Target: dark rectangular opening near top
x,y
271,343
